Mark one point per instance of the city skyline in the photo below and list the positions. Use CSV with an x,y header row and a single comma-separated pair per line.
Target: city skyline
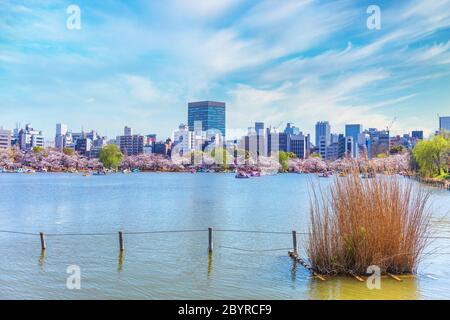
x,y
442,122
295,61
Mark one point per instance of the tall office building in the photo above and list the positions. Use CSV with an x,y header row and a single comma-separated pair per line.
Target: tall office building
x,y
62,138
298,144
417,134
210,113
83,145
336,149
260,139
5,139
323,137
259,128
444,123
353,130
276,141
323,132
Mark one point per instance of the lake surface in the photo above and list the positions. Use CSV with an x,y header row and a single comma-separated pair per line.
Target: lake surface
x,y
177,265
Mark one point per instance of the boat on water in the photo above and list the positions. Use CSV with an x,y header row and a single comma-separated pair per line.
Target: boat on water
x,y
99,173
126,171
136,170
324,175
242,175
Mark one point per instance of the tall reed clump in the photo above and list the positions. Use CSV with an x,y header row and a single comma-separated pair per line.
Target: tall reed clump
x,y
381,221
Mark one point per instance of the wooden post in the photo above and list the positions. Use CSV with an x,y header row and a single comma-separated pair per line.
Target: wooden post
x,y
210,240
294,242
42,236
121,241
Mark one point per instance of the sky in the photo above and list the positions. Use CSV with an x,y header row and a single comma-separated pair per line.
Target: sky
x,y
138,63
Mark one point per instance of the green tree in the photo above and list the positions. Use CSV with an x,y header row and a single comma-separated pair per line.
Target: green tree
x,y
111,157
283,159
38,149
397,149
68,151
432,156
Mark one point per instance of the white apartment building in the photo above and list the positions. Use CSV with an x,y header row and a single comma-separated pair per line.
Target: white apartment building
x,y
5,139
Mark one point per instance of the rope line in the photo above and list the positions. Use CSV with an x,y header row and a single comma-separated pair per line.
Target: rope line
x,y
19,232
249,250
80,234
165,231
171,231
253,231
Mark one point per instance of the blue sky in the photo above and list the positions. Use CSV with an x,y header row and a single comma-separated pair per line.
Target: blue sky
x,y
138,63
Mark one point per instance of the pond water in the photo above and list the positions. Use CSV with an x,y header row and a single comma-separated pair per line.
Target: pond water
x,y
177,265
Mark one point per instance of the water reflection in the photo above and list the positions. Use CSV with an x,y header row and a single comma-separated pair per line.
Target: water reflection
x,y
120,264
209,264
294,271
41,260
345,288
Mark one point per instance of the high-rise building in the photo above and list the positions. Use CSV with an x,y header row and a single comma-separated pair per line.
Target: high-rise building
x,y
5,138
87,144
350,147
444,123
259,128
276,141
353,130
332,152
63,138
336,149
417,135
83,145
323,145
210,113
291,129
61,129
298,144
379,142
29,138
323,132
260,139
130,144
